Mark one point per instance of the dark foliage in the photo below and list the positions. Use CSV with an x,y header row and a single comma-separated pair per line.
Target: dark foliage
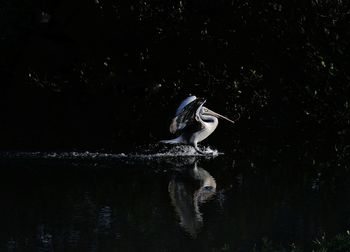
x,y
99,74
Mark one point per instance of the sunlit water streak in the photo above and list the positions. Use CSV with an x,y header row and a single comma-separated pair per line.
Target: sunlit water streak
x,y
146,154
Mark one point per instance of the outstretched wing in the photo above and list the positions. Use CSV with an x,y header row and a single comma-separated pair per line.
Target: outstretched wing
x,y
187,116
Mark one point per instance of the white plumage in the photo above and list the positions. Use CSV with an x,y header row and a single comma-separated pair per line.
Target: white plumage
x,y
193,122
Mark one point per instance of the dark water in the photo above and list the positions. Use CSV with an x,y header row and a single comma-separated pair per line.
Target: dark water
x,y
256,198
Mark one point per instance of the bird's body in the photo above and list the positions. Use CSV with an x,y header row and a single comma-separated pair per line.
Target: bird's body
x,y
193,123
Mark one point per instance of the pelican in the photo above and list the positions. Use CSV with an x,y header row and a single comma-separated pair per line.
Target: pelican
x,y
193,122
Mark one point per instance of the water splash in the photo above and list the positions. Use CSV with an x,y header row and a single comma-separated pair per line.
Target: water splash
x,y
156,151
150,152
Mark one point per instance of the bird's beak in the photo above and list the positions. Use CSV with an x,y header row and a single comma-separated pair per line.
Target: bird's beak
x,y
210,112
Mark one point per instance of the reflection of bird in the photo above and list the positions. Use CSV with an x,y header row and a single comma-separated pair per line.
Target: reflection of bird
x,y
193,122
187,190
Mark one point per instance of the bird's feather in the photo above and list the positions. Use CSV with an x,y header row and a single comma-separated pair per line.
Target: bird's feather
x,y
188,117
184,103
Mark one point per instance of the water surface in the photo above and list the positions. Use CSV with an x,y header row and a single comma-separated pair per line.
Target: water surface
x,y
168,201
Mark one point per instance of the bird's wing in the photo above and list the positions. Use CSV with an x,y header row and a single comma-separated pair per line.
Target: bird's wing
x,y
187,117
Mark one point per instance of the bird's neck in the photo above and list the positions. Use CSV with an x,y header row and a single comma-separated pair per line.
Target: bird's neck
x,y
211,122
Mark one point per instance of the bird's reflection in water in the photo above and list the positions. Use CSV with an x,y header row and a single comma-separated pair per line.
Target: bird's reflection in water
x,y
188,189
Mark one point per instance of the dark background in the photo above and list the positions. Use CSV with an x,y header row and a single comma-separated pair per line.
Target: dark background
x,y
104,74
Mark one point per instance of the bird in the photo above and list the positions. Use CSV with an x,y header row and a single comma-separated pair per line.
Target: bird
x,y
193,123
